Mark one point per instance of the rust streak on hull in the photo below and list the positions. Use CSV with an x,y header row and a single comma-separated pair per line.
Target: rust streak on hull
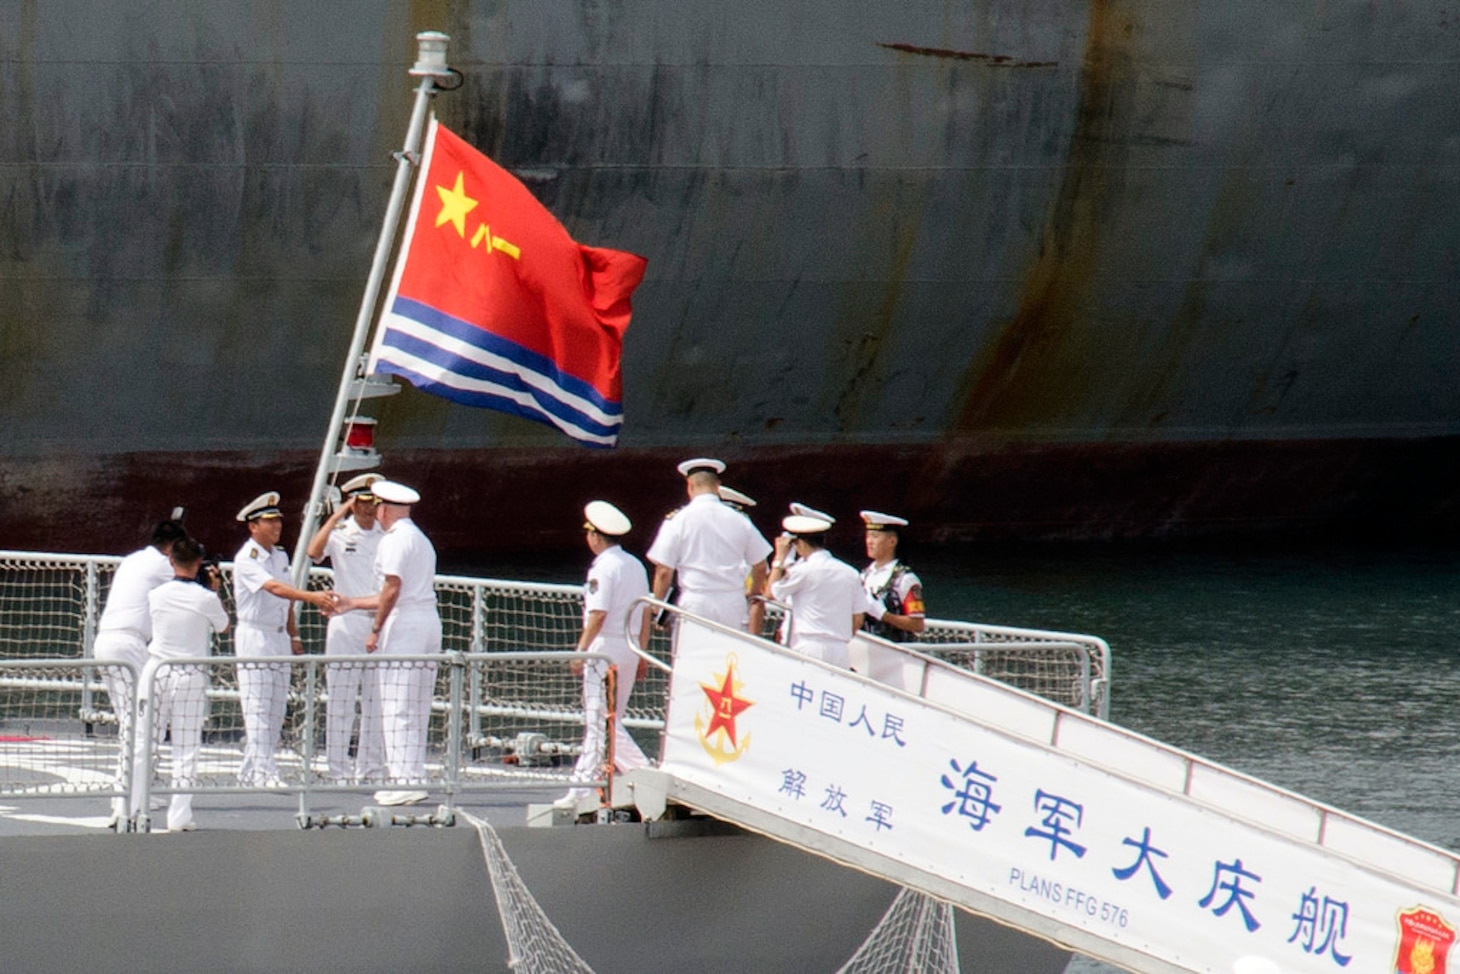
x,y
1031,372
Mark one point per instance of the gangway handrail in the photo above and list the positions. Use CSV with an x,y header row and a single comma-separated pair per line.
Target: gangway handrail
x,y
1092,687
983,634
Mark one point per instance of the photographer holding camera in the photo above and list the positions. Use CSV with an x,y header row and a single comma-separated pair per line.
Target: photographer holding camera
x,y
184,618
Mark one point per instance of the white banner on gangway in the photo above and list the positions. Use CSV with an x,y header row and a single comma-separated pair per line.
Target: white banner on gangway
x,y
1157,873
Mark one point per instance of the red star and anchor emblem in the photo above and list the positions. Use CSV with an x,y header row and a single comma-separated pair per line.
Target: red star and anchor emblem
x,y
715,724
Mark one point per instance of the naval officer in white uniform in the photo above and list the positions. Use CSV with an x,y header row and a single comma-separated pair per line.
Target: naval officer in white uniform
x,y
824,593
405,623
266,630
709,548
125,628
349,539
612,616
804,510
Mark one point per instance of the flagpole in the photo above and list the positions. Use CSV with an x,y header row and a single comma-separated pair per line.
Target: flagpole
x,y
430,66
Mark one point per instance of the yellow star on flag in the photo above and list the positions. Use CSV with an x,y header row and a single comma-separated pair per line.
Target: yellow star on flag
x,y
455,205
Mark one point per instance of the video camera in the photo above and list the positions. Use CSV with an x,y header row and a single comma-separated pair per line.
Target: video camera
x,y
210,570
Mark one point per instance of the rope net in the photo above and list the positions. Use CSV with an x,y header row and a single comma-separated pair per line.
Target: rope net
x,y
914,936
534,945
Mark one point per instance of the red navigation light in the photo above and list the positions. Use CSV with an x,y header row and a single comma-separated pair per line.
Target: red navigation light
x,y
360,433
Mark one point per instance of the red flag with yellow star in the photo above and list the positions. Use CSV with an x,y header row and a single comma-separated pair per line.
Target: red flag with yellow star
x,y
493,304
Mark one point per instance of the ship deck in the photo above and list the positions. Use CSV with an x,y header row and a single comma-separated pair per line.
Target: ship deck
x,y
249,891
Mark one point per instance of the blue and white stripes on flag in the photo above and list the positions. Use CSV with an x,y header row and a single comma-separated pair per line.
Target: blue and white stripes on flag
x,y
447,357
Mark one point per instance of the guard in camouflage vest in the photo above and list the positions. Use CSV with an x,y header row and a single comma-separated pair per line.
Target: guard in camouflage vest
x,y
894,592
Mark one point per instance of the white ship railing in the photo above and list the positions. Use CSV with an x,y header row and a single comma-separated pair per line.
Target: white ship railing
x,y
498,721
52,695
50,603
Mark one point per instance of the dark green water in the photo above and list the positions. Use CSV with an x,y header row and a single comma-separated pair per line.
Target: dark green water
x,y
1332,673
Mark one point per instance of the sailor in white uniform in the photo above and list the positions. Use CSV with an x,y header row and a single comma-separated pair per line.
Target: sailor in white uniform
x,y
349,539
266,630
612,616
894,593
802,510
825,594
185,614
710,549
125,628
405,623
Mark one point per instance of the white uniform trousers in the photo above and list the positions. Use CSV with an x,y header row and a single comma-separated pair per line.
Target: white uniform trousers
x,y
626,752
263,690
406,690
180,701
726,608
121,646
347,684
829,649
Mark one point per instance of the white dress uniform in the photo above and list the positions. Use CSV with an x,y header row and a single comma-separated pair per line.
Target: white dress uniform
x,y
824,594
351,551
413,628
262,634
616,580
122,634
711,548
800,510
184,617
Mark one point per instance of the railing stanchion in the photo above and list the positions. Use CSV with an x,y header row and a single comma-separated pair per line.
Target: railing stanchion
x,y
454,743
88,635
478,645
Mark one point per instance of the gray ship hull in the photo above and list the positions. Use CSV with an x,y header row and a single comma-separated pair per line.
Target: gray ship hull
x,y
1058,270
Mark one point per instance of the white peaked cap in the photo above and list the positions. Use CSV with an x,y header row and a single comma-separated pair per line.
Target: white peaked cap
x,y
876,519
701,463
732,496
604,518
805,524
390,492
264,505
804,511
360,484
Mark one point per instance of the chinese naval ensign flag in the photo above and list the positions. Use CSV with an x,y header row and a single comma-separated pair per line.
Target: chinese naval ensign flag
x,y
494,305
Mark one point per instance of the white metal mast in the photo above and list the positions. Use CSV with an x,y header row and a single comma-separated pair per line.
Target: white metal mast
x,y
430,67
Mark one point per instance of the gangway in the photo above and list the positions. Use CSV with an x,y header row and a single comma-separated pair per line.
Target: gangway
x,y
1039,816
